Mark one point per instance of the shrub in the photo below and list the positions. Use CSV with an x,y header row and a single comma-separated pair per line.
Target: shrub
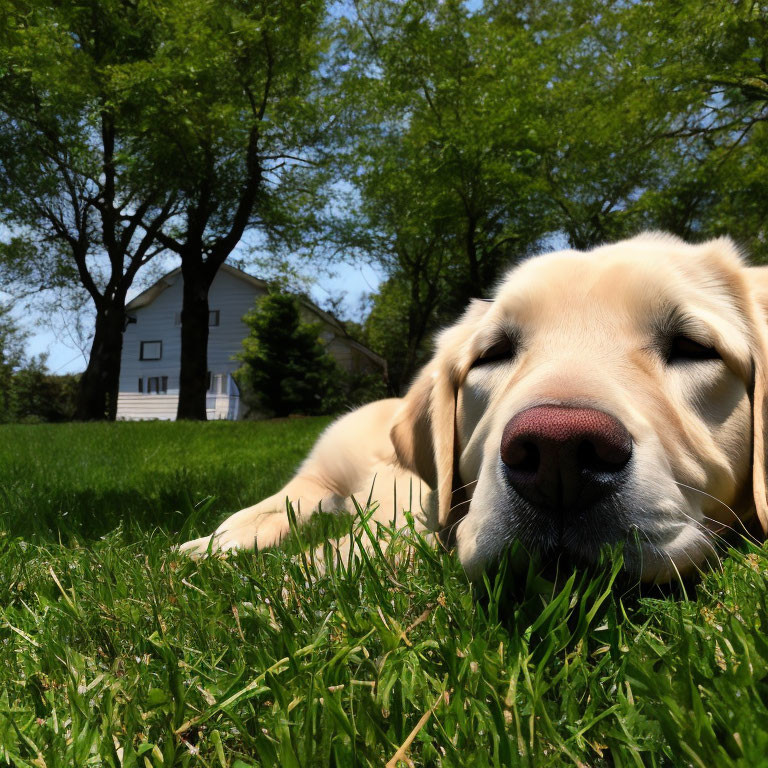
x,y
38,395
286,368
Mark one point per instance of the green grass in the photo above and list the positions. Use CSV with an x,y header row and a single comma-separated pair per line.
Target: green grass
x,y
115,651
87,479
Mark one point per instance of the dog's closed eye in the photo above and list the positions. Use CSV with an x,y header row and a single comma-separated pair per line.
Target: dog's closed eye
x,y
682,338
501,348
683,349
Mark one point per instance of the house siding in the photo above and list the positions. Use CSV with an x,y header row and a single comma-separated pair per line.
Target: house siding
x,y
131,406
233,298
154,322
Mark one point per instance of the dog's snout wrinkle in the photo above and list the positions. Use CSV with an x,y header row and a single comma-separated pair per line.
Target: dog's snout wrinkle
x,y
562,458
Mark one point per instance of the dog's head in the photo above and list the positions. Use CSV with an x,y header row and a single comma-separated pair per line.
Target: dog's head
x,y
612,396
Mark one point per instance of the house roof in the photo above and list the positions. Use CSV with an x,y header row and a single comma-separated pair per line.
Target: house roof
x,y
166,281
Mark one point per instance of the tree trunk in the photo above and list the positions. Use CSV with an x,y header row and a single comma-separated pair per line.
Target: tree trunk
x,y
474,285
97,394
193,377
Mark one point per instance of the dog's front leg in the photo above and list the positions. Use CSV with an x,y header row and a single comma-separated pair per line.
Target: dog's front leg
x,y
266,523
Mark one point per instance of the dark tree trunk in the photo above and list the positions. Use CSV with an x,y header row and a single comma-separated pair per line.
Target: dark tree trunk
x,y
97,394
418,316
474,285
198,273
193,377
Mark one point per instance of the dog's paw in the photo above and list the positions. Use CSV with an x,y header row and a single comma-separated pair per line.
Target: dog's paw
x,y
199,547
262,531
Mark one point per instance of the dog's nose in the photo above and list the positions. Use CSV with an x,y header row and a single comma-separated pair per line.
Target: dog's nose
x,y
561,458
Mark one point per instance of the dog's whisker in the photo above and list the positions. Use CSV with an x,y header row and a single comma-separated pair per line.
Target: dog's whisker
x,y
459,503
697,566
466,485
719,501
672,562
707,532
707,535
725,526
451,527
659,554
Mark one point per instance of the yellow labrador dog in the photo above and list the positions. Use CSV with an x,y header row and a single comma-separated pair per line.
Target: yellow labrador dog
x,y
615,395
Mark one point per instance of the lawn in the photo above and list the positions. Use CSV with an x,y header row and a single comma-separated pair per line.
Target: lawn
x,y
116,651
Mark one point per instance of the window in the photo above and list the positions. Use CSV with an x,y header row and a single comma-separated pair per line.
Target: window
x,y
141,385
177,318
151,350
157,384
216,384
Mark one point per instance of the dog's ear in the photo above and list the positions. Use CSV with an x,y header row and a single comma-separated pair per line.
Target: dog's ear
x,y
424,428
750,288
757,281
412,433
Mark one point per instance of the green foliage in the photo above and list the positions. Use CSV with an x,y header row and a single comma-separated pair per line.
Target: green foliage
x,y
361,388
38,395
286,369
443,153
229,91
478,134
387,332
116,651
12,340
28,392
63,128
150,102
709,70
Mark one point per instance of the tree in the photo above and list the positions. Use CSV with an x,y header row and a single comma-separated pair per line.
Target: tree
x,y
443,153
708,65
12,340
479,134
396,226
229,120
85,211
27,389
398,328
286,370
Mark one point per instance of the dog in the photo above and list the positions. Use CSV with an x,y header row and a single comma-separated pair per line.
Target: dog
x,y
613,396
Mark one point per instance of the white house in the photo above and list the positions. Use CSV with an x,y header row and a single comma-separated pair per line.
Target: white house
x,y
149,371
